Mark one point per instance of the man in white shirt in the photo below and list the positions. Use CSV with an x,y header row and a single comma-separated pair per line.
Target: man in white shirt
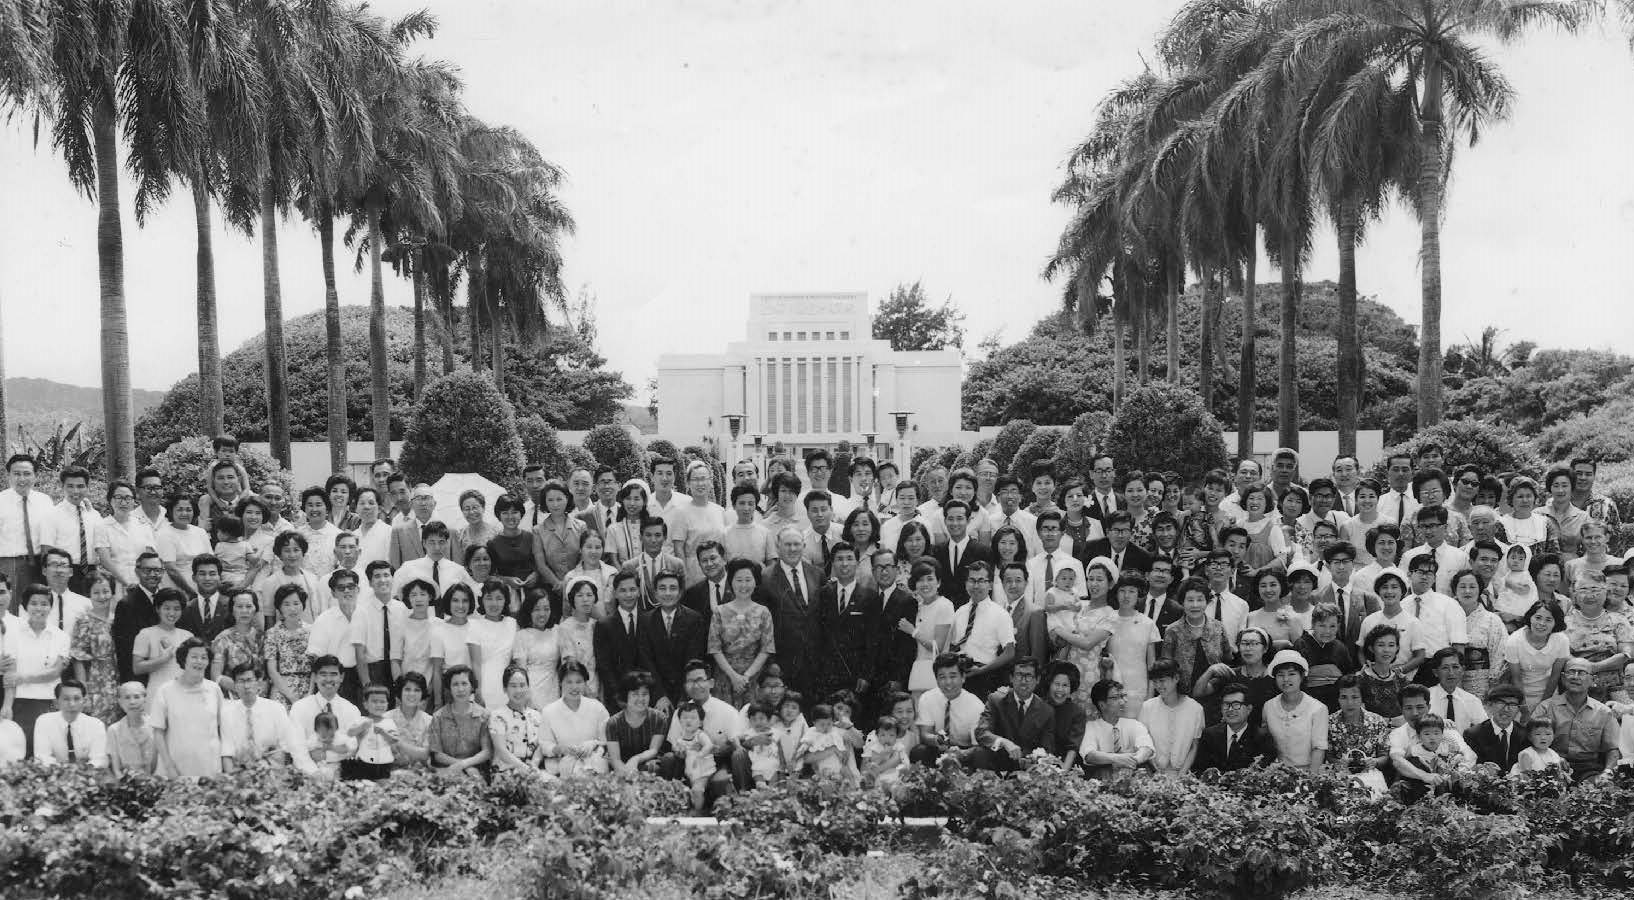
x,y
533,506
1114,746
1230,610
1052,558
821,532
1008,492
150,497
819,470
434,566
948,716
67,736
326,676
987,480
905,496
254,729
1441,618
24,515
1415,704
378,627
1462,709
66,606
603,514
862,486
580,484
334,632
1248,474
76,527
983,632
721,722
1396,507
1449,560
665,499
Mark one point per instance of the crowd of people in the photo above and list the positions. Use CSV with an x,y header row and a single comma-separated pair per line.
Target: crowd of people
x,y
1122,621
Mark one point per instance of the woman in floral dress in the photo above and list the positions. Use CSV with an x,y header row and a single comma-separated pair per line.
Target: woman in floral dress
x,y
240,644
740,635
91,647
288,667
1358,738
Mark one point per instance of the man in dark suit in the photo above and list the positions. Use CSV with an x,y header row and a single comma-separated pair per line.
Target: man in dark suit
x,y
617,652
898,612
1232,744
1116,546
666,638
1029,620
703,597
1103,499
1355,604
1499,740
790,590
1159,604
208,614
135,613
848,617
1014,724
405,535
960,550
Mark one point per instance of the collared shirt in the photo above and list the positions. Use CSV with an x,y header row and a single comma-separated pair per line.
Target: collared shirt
x,y
1440,618
991,632
1230,610
721,722
51,740
1412,631
37,653
264,727
64,528
1404,736
443,573
1397,508
304,710
797,581
12,540
956,718
1041,572
814,544
1583,734
1026,523
332,635
1449,561
1123,736
369,628
320,546
1466,707
66,609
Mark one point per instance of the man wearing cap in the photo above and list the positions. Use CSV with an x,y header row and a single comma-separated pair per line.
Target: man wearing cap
x,y
405,535
1586,730
1498,740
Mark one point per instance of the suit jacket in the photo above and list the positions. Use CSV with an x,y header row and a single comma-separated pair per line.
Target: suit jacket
x,y
1359,604
193,619
1254,746
666,562
1483,739
1134,558
953,583
665,654
1003,718
852,637
1169,613
897,651
795,624
592,518
405,542
1092,506
698,599
132,615
616,654
1032,633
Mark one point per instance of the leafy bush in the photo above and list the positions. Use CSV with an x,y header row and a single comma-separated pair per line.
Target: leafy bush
x,y
659,448
611,445
462,424
185,467
982,449
1606,434
826,814
1494,448
541,446
1009,440
1463,854
1078,445
579,458
1040,445
1164,427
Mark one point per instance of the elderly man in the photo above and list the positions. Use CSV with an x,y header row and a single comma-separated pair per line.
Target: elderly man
x,y
406,534
790,589
1586,731
1498,740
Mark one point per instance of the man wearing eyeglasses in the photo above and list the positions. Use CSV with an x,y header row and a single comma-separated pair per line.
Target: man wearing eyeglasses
x,y
1232,744
1585,729
150,500
819,469
136,612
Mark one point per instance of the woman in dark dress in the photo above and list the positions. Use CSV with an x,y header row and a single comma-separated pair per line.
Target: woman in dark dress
x,y
515,552
635,736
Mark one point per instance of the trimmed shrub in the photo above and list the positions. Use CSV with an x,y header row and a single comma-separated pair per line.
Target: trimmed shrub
x,y
1009,440
1040,445
611,445
1164,427
1494,448
462,424
579,458
185,465
658,448
1607,434
542,446
1078,445
981,450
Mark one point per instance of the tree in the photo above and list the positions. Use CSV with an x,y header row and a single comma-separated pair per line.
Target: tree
x,y
119,64
1166,428
1433,46
908,321
22,74
185,467
1470,443
1009,441
542,447
611,445
462,424
1606,434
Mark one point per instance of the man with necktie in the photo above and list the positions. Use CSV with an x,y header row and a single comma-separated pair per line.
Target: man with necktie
x,y
68,736
790,590
76,526
1498,740
208,614
712,591
616,637
24,515
848,616
666,638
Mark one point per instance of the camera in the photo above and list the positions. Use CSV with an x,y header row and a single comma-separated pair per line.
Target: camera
x,y
1356,760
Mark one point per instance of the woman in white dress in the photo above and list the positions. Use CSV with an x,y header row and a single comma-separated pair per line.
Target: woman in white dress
x,y
185,715
574,727
624,538
180,541
123,536
932,627
373,534
492,637
536,648
576,635
705,519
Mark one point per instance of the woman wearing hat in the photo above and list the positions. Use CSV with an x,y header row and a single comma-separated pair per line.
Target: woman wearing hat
x,y
1297,721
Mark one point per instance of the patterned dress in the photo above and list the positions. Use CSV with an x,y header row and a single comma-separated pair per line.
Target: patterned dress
x,y
517,730
286,651
740,635
234,648
92,644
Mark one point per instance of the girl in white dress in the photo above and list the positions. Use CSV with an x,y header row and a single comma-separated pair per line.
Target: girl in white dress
x,y
536,649
932,626
492,637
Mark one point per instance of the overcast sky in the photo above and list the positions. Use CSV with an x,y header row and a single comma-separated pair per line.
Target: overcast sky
x,y
718,149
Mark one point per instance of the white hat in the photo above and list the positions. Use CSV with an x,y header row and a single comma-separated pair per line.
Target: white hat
x,y
1289,657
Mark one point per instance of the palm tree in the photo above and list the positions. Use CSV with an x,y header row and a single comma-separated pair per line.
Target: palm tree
x,y
1431,45
119,63
22,75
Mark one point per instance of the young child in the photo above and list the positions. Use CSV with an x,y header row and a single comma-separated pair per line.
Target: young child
x,y
233,551
1429,752
1516,590
882,755
823,747
699,750
1328,656
843,703
1061,603
1539,755
327,746
789,728
765,760
375,758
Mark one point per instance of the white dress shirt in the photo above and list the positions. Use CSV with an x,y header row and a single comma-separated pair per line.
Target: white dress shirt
x,y
331,635
51,740
1412,632
1231,611
369,629
1396,508
1040,570
263,725
64,528
959,723
1440,617
1403,736
1467,709
447,573
1449,561
1026,523
40,513
36,653
982,640
304,710
66,608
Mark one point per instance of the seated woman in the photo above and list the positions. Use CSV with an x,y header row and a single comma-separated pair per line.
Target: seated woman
x,y
574,727
459,740
1297,721
410,749
635,737
514,728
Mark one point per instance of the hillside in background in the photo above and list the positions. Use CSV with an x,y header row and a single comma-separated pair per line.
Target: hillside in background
x,y
38,405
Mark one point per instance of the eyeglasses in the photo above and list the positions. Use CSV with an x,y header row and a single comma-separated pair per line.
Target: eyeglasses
x,y
978,581
1233,704
1470,482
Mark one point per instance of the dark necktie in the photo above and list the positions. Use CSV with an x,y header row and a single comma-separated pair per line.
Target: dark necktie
x,y
1049,570
68,729
435,564
715,587
28,530
629,624
669,624
953,556
1231,742
328,708
1450,716
61,624
1401,508
84,546
385,632
1503,747
799,595
840,598
1218,614
824,540
609,519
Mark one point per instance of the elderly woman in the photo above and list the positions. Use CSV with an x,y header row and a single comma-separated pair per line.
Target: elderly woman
x,y
1195,641
635,737
476,530
1297,721
1605,640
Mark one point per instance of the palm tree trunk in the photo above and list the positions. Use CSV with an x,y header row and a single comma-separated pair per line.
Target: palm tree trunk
x,y
1205,341
110,252
443,290
475,289
277,366
497,344
1245,376
1429,255
334,355
1287,370
1143,334
1176,273
212,408
415,260
1119,363
379,386
1350,357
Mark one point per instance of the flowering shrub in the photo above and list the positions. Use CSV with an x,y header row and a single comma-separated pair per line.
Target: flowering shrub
x,y
826,814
